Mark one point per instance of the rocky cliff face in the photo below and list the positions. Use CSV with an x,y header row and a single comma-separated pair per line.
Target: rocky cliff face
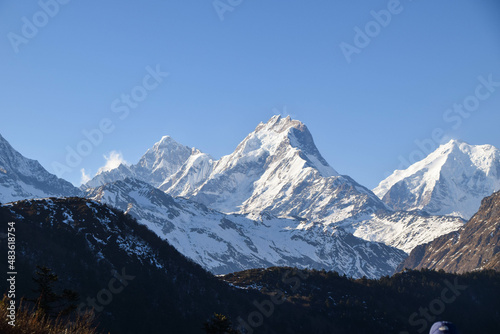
x,y
475,246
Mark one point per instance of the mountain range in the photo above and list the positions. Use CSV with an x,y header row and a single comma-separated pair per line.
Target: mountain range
x,y
187,233
278,170
273,201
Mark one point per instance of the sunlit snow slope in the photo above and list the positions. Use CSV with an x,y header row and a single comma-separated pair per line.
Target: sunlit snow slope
x,y
450,181
226,243
23,178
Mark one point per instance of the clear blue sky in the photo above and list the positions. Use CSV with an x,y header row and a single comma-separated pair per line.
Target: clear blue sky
x,y
226,76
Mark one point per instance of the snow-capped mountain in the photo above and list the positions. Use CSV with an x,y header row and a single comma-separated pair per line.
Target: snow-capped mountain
x,y
277,169
160,162
226,243
451,181
404,230
23,178
119,173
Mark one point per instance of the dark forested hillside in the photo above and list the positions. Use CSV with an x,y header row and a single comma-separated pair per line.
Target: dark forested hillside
x,y
138,283
475,246
406,302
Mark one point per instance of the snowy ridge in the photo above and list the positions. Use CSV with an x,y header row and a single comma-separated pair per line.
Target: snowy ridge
x,y
226,243
119,173
98,232
403,230
451,181
160,162
23,178
194,172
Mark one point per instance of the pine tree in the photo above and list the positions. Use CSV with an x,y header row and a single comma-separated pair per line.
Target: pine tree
x,y
50,303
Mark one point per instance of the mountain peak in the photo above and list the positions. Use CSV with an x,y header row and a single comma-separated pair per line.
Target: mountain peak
x,y
122,167
5,147
279,156
159,162
467,148
274,119
454,144
279,124
167,141
282,136
452,180
166,146
22,178
279,118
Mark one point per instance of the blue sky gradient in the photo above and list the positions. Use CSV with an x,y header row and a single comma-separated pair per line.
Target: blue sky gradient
x,y
226,76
